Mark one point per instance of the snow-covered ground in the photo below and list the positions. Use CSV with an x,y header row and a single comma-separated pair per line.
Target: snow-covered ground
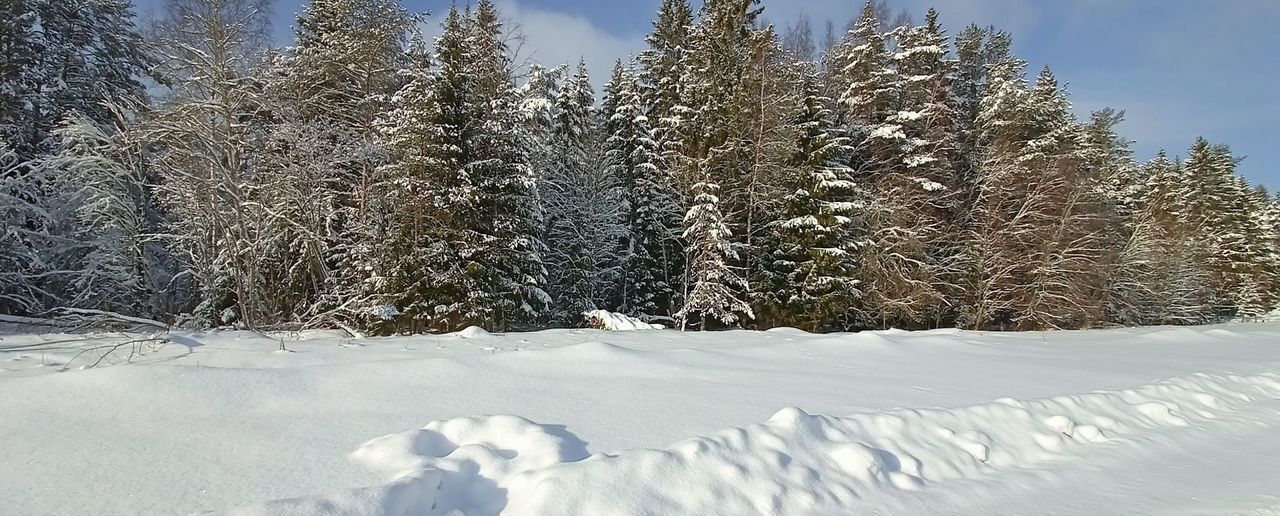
x,y
588,422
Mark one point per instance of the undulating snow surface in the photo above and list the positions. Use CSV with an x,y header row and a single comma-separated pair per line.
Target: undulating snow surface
x,y
572,422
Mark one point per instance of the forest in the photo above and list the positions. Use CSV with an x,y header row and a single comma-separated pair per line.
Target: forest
x,y
190,170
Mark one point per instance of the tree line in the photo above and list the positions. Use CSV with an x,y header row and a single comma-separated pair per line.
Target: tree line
x,y
730,176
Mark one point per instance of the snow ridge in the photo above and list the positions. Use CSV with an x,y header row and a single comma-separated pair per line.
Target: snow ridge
x,y
795,463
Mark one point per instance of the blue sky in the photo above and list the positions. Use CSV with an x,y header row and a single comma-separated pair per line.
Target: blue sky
x,y
1180,68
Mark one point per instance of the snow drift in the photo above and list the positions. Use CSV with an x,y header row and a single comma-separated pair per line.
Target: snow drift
x,y
795,463
613,321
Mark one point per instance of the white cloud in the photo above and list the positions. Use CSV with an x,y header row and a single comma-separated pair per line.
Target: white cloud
x,y
553,38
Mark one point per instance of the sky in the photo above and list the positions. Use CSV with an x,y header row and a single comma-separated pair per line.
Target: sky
x,y
1179,68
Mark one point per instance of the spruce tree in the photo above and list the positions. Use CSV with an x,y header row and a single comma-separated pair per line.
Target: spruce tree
x,y
811,274
60,57
741,136
713,290
338,78
59,61
651,261
664,78
582,200
408,261
899,283
508,214
1219,211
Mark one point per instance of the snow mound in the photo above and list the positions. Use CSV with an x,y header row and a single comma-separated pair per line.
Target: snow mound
x,y
795,463
455,467
612,321
473,332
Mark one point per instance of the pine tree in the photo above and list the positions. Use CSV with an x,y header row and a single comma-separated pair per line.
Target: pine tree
x,y
977,50
1269,221
1132,238
1256,297
741,137
651,261
406,280
1218,209
1180,283
434,141
537,110
917,191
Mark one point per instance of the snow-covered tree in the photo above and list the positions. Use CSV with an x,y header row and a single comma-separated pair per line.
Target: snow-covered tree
x,y
58,61
714,284
810,278
337,80
1036,241
583,206
60,57
1220,209
98,181
741,136
25,226
651,257
897,170
205,149
664,79
508,209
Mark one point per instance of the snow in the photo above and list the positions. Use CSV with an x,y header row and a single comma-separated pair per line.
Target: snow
x,y
888,132
1154,420
614,321
472,332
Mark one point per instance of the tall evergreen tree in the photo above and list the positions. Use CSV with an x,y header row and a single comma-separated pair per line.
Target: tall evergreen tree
x,y
811,274
651,261
664,71
508,214
1218,207
584,218
336,80
732,152
59,61
59,57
